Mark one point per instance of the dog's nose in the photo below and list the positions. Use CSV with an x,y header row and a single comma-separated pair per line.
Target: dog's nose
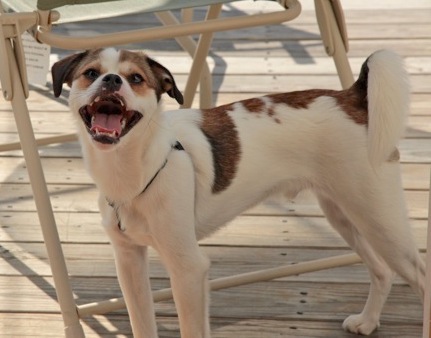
x,y
112,82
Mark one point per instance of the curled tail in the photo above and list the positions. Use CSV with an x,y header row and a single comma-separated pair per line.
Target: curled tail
x,y
388,93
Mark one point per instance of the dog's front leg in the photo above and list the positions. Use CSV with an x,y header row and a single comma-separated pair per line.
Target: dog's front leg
x,y
188,270
133,276
175,240
131,261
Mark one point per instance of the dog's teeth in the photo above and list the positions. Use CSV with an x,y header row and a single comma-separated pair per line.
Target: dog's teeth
x,y
97,99
123,123
113,134
122,103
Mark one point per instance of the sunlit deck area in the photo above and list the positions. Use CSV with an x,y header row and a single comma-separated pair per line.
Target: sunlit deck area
x,y
245,64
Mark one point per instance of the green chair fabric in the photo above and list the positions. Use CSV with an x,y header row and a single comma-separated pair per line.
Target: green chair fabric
x,y
82,10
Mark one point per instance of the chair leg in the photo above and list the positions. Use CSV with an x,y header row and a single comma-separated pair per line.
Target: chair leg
x,y
73,328
116,304
205,82
426,330
43,141
199,72
333,32
199,59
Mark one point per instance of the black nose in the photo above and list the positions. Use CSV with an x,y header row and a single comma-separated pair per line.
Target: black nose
x,y
112,82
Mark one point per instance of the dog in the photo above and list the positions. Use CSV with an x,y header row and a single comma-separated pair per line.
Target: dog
x,y
168,179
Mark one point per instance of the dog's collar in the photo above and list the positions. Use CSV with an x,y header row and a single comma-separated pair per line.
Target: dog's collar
x,y
176,146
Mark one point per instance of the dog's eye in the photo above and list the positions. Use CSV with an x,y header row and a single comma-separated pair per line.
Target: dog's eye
x,y
136,78
91,74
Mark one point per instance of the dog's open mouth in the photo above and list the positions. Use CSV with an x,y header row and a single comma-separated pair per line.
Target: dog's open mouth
x,y
107,118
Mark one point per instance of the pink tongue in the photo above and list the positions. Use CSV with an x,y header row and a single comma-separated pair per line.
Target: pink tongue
x,y
107,123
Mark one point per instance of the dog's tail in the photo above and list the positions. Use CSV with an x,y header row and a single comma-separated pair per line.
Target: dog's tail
x,y
386,82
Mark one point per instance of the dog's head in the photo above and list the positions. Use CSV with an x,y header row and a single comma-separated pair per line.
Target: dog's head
x,y
112,91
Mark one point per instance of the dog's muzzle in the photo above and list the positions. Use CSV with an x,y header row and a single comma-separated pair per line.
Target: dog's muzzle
x,y
107,118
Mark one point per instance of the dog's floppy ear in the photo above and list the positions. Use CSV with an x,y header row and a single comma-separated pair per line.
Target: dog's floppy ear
x,y
62,71
166,80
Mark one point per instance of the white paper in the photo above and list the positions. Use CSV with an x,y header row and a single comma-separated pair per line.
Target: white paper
x,y
36,59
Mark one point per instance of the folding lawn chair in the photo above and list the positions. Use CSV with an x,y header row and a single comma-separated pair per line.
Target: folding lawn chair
x,y
37,17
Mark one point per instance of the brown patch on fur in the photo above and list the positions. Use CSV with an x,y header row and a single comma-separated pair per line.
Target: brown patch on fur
x,y
354,104
299,99
220,110
271,111
352,101
254,105
221,133
258,106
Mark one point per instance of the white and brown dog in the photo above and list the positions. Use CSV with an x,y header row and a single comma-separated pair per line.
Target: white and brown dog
x,y
167,179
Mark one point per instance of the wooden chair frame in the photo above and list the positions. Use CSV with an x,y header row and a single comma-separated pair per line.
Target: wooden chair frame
x,y
15,89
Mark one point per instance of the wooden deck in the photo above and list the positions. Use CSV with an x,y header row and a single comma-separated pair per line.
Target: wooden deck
x,y
246,63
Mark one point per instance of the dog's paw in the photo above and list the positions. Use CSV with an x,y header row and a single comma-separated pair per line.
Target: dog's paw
x,y
360,324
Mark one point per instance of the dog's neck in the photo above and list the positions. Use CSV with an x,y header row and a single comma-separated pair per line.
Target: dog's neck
x,y
122,174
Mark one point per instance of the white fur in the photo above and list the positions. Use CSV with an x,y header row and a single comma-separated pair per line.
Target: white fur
x,y
388,104
317,147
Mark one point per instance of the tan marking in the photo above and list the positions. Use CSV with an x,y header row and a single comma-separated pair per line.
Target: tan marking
x,y
156,76
91,60
222,135
136,62
350,101
82,81
127,69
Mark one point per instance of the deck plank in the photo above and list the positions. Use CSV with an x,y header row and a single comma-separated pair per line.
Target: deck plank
x,y
21,325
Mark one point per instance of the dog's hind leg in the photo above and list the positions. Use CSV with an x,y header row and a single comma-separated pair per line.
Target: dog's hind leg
x,y
380,274
372,201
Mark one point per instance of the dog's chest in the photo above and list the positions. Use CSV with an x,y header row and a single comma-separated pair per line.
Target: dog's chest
x,y
133,224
